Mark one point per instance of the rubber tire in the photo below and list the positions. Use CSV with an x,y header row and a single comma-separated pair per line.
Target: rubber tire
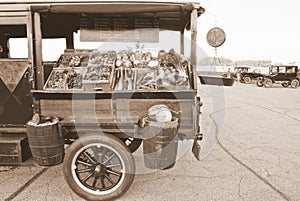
x,y
268,83
285,84
295,83
259,82
134,145
247,80
107,140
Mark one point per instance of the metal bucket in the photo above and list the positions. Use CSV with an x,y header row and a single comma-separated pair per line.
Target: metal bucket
x,y
160,150
46,145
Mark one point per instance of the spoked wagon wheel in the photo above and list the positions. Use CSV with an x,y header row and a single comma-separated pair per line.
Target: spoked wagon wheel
x,y
259,82
132,143
99,167
295,83
247,80
268,83
285,84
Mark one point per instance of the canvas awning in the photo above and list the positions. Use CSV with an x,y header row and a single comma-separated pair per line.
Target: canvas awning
x,y
173,16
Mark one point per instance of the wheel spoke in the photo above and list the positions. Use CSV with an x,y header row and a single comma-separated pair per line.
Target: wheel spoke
x,y
102,182
107,160
89,157
100,152
95,181
84,170
113,165
85,179
110,180
114,172
84,163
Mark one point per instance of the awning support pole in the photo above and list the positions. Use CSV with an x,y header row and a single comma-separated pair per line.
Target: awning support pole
x,y
182,42
38,52
29,29
194,16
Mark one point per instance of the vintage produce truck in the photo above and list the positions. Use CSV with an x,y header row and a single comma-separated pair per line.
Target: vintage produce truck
x,y
92,108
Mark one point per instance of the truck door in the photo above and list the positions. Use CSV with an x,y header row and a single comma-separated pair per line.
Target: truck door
x,y
15,98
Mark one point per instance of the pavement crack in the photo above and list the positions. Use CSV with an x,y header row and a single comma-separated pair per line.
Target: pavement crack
x,y
272,110
239,188
266,148
282,194
51,179
267,172
7,169
47,191
27,184
201,177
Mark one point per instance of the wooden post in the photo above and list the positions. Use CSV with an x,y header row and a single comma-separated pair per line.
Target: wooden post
x,y
182,42
38,52
4,46
194,16
70,41
29,29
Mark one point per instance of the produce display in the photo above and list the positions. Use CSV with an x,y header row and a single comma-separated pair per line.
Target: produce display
x,y
123,70
170,72
67,60
100,65
64,79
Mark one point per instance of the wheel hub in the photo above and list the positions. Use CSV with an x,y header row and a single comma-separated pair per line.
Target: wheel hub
x,y
99,169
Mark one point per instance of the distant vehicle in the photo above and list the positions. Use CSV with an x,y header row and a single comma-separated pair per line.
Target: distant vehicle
x,y
239,69
284,75
236,71
244,75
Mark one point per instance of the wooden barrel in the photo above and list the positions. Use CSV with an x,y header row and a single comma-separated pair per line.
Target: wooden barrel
x,y
45,142
160,150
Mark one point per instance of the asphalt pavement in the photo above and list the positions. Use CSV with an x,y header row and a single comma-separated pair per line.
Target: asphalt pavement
x,y
251,151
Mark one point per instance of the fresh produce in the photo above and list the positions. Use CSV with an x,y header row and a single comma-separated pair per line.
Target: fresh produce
x,y
172,58
74,80
64,79
100,65
125,70
141,59
164,77
72,61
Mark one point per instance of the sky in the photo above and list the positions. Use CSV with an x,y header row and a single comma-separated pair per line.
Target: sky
x,y
255,29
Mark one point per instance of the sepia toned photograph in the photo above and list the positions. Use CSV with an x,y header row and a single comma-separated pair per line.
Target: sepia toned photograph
x,y
155,100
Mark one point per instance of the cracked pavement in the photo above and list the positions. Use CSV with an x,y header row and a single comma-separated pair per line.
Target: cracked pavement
x,y
257,158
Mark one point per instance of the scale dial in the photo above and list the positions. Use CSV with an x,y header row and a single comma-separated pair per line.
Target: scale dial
x,y
216,37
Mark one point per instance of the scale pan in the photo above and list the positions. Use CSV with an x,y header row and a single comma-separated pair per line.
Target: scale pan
x,y
216,80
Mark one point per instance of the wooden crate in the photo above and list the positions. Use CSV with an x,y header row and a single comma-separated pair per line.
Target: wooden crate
x,y
63,82
14,149
99,85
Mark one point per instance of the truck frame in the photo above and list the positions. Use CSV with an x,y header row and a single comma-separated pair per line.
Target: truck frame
x,y
103,127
